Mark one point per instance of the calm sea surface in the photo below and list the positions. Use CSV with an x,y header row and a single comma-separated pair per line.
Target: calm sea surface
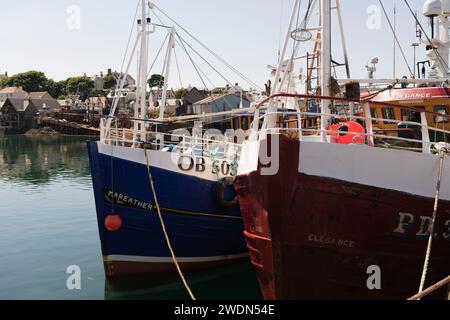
x,y
48,223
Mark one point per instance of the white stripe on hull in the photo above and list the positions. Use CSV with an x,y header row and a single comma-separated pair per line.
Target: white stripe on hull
x,y
126,258
159,159
405,171
399,170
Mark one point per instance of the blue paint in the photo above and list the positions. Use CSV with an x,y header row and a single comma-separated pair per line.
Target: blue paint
x,y
141,233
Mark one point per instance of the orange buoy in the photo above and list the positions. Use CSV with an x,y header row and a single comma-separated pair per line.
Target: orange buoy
x,y
347,138
113,222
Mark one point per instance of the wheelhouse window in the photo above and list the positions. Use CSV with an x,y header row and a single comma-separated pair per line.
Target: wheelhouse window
x,y
373,115
441,109
236,124
412,116
388,114
245,124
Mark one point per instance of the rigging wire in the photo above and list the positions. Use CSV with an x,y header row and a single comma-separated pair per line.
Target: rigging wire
x,y
178,67
197,68
294,50
395,37
129,38
157,55
240,74
280,36
426,35
200,72
206,61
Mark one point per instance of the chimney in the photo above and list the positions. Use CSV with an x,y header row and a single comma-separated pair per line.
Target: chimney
x,y
109,71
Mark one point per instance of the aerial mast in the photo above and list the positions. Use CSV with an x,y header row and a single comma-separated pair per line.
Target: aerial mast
x,y
325,54
140,107
438,12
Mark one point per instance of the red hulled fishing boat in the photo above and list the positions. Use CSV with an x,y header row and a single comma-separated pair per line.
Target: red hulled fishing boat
x,y
336,212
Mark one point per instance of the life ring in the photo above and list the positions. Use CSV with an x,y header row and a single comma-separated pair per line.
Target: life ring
x,y
219,193
342,137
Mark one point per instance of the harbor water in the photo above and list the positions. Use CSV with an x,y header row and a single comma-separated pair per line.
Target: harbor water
x,y
48,224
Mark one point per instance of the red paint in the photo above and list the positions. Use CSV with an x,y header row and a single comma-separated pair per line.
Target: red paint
x,y
113,222
412,94
314,238
342,137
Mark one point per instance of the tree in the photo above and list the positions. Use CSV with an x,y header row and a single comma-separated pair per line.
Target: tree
x,y
218,91
30,81
180,93
56,89
109,81
4,82
82,86
156,80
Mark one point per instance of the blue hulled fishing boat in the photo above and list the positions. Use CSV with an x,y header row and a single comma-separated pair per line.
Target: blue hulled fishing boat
x,y
163,189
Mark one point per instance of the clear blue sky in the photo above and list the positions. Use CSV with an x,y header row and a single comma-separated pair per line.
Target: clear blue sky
x,y
35,36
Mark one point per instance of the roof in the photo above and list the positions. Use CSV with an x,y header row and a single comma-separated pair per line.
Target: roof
x,y
50,104
18,104
210,99
39,95
10,90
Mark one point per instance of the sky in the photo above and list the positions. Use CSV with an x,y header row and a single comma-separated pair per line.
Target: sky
x,y
66,38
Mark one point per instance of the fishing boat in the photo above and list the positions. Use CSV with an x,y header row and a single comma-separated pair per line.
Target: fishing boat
x,y
163,189
333,212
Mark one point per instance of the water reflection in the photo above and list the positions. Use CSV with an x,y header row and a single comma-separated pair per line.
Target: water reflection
x,y
235,282
49,223
40,159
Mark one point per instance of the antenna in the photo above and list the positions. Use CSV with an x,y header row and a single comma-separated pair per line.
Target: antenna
x,y
395,42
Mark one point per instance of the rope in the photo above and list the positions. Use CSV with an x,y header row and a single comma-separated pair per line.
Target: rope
x,y
442,153
395,37
112,176
157,55
166,235
237,72
178,67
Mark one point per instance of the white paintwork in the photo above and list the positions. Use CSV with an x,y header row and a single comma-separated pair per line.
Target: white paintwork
x,y
158,159
249,157
405,171
126,258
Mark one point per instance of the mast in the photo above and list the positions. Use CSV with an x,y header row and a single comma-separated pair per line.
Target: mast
x,y
438,50
325,54
271,120
170,48
140,109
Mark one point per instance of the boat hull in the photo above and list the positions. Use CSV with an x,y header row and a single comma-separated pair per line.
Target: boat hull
x,y
202,233
316,237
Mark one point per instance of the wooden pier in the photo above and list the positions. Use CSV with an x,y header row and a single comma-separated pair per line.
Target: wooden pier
x,y
70,128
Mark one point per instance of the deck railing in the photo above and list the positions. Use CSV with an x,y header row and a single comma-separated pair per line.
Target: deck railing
x,y
144,130
199,144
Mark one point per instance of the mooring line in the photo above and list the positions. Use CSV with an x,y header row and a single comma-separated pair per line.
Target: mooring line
x,y
442,152
166,235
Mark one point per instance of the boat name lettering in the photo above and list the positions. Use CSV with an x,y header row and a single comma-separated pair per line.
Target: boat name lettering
x,y
126,200
331,241
188,163
407,220
415,96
